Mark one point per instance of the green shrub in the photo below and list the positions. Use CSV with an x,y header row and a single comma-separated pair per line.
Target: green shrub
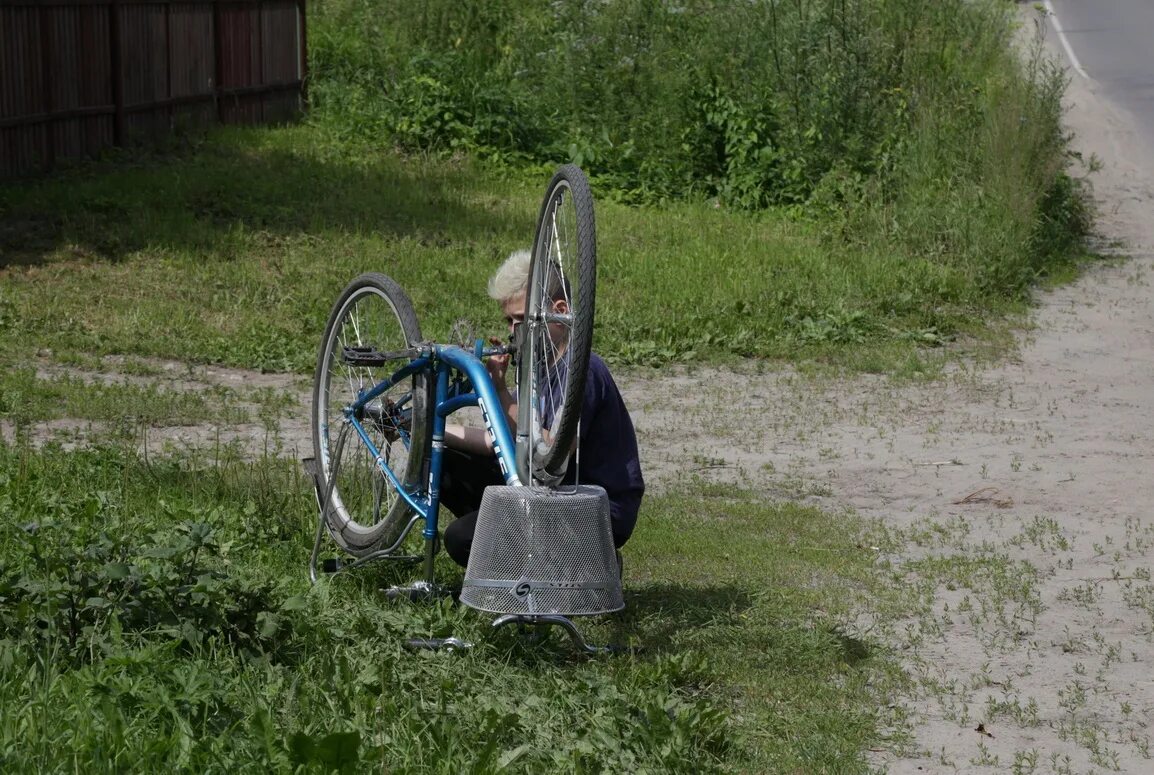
x,y
912,124
750,101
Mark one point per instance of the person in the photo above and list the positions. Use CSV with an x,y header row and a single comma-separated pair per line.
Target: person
x,y
606,439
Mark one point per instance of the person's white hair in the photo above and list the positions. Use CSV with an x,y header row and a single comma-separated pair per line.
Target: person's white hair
x,y
512,277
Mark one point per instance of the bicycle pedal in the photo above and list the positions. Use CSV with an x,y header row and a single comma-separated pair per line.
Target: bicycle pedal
x,y
436,644
393,594
363,356
331,565
419,592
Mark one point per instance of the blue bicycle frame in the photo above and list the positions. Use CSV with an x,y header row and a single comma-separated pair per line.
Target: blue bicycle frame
x,y
450,395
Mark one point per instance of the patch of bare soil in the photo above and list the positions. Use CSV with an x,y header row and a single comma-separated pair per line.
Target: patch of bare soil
x,y
282,428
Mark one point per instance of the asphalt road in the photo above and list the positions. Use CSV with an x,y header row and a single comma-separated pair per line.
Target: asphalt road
x,y
1111,43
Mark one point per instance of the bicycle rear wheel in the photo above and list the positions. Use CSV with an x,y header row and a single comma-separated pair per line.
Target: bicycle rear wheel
x,y
559,309
372,317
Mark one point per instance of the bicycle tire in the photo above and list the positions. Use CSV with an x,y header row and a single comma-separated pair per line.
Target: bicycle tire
x,y
554,361
364,511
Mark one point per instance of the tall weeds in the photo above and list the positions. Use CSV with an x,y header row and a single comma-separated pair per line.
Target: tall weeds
x,y
901,121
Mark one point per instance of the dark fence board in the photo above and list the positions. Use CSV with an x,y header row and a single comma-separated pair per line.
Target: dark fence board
x,y
191,44
239,57
280,65
22,74
78,76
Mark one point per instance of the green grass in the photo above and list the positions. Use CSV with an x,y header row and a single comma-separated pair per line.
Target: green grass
x,y
26,396
233,252
157,606
158,616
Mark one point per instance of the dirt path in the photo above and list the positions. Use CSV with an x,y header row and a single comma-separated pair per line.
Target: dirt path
x,y
1019,498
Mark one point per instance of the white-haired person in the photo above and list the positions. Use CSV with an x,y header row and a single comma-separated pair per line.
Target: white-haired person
x,y
607,440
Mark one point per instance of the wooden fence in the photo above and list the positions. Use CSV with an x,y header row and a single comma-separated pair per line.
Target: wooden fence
x,y
78,76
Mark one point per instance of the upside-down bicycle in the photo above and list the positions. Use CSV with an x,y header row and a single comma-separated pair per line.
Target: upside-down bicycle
x,y
382,395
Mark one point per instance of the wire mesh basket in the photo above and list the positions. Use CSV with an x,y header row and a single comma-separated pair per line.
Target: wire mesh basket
x,y
543,551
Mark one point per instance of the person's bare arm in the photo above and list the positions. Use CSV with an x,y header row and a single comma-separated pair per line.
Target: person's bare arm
x,y
498,366
467,439
476,440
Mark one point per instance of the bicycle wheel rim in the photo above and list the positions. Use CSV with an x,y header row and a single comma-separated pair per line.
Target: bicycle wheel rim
x,y
559,328
364,509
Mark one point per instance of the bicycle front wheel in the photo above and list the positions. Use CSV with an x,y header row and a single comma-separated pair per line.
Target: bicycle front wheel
x,y
371,327
559,310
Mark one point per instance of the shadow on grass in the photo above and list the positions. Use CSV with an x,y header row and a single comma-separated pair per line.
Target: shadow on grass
x,y
280,182
658,615
853,650
666,617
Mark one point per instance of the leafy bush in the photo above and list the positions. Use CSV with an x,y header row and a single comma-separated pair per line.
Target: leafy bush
x,y
908,124
754,102
81,593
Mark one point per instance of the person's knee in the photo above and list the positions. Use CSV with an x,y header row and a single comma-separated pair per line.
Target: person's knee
x,y
621,527
464,477
459,538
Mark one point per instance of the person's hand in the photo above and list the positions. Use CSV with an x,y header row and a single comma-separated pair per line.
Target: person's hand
x,y
498,365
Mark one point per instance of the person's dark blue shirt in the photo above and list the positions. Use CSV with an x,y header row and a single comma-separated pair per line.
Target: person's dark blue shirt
x,y
607,451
